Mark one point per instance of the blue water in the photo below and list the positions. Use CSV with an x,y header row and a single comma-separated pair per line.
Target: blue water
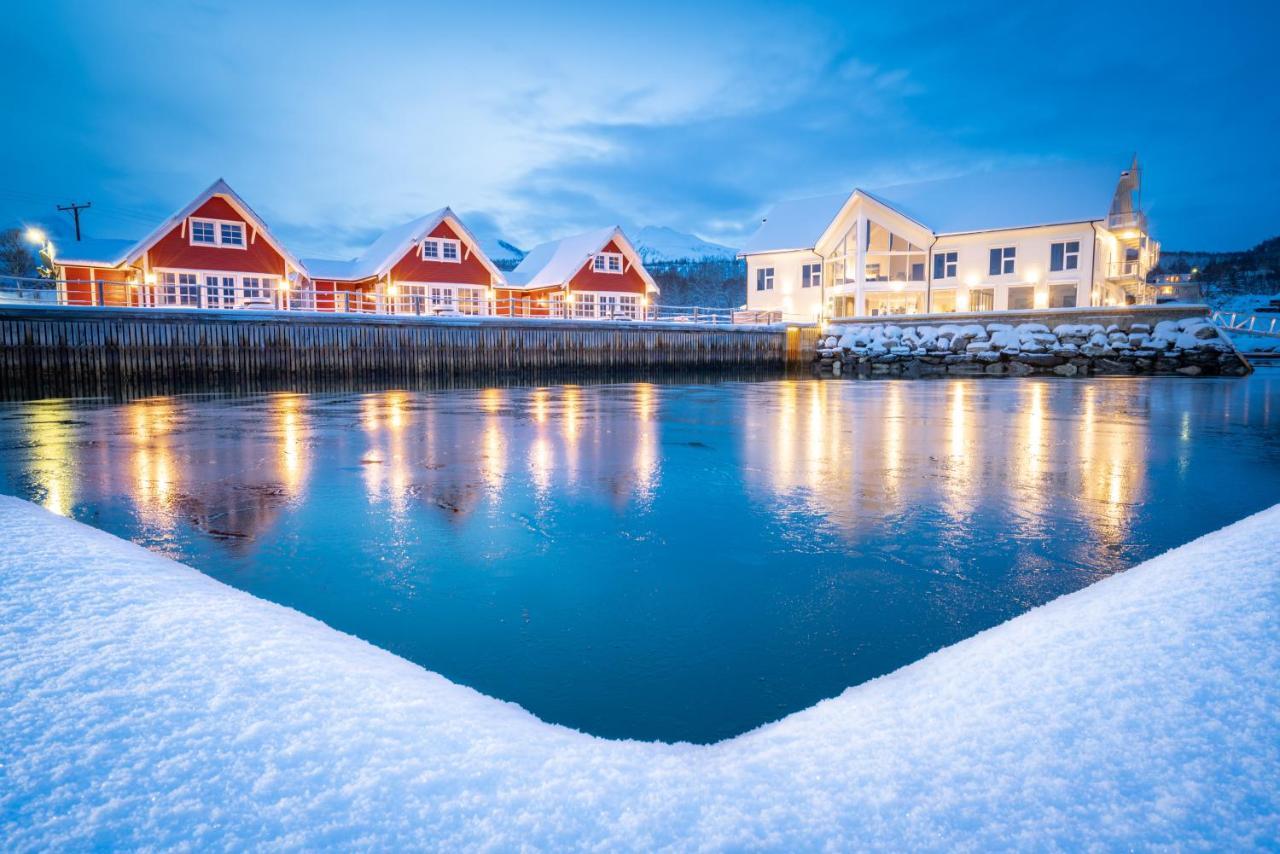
x,y
663,561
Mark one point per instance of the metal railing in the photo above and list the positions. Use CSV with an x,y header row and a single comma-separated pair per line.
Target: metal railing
x,y
1248,324
1129,268
205,296
1127,219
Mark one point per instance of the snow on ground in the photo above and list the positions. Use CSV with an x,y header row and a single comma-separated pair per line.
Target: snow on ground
x,y
142,703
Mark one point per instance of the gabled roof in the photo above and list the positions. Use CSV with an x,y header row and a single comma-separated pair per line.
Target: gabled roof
x,y
391,246
980,201
94,252
554,263
217,188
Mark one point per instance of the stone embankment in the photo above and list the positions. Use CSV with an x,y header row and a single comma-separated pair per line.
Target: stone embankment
x,y
1190,346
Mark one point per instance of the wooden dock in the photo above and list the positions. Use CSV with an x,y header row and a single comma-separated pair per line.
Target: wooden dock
x,y
60,350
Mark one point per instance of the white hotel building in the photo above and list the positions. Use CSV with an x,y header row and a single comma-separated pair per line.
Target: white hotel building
x,y
1036,238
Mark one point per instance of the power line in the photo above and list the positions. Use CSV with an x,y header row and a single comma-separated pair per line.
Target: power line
x,y
75,212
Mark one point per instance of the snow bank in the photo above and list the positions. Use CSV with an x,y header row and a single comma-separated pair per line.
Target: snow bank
x,y
142,703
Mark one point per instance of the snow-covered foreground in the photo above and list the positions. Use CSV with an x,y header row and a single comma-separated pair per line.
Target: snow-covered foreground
x,y
142,703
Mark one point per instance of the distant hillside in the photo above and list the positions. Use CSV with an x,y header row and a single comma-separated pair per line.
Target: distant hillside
x,y
1255,270
659,244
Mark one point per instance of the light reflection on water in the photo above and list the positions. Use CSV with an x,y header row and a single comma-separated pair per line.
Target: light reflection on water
x,y
662,561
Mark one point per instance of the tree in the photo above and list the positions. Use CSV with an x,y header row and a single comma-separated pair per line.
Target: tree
x,y
15,255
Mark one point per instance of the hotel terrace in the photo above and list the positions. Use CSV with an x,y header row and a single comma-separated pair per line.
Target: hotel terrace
x,y
1023,240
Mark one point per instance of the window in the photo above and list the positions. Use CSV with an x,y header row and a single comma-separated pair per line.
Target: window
x,y
258,287
1064,256
628,306
1062,296
584,305
179,289
891,257
764,279
884,303
608,262
232,234
943,301
982,299
811,276
1022,298
202,231
217,232
442,249
1003,261
944,265
471,300
220,291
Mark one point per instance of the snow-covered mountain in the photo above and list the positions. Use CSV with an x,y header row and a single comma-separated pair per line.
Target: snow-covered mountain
x,y
504,254
659,243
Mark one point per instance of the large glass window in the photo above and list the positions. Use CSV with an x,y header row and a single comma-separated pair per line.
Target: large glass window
x,y
764,279
1022,298
1062,296
1004,261
944,300
1064,256
982,299
893,303
584,305
891,257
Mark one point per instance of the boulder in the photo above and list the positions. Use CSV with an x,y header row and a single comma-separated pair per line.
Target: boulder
x,y
1191,370
1066,370
1040,360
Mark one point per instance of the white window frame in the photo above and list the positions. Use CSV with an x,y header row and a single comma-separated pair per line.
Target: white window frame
x,y
440,243
604,263
950,264
811,275
1004,259
1066,256
217,232
764,279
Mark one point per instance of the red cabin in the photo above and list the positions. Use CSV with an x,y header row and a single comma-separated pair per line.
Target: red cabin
x,y
598,274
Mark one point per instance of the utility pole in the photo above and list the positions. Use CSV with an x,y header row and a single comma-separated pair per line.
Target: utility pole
x,y
75,212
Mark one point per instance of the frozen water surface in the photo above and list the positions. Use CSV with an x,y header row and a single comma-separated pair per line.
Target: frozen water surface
x,y
676,562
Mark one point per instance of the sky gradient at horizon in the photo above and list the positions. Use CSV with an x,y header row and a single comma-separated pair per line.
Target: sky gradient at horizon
x,y
335,123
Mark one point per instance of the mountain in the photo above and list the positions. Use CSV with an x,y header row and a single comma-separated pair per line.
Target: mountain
x,y
659,244
503,254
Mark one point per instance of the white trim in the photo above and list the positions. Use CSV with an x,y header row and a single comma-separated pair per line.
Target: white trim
x,y
218,241
602,262
441,244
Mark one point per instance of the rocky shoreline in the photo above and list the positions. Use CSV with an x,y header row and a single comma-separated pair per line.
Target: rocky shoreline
x,y
1187,347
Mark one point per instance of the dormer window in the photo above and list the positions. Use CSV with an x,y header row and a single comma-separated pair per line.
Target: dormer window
x,y
608,262
442,249
217,232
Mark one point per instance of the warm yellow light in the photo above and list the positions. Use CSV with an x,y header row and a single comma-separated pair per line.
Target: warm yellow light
x,y
644,301
35,235
392,290
149,278
1042,298
971,280
491,293
1033,276
962,300
284,284
1129,234
568,296
896,286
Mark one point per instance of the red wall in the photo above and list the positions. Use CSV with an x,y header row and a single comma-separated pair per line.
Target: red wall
x,y
470,271
588,279
82,288
360,295
175,249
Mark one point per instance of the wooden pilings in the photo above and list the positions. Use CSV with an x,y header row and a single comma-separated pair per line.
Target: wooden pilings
x,y
64,350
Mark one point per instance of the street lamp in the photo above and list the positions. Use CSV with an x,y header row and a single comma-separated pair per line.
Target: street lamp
x,y
36,236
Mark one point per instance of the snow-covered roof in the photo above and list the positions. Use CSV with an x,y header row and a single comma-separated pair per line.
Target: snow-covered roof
x,y
556,262
391,246
217,188
795,224
980,201
94,251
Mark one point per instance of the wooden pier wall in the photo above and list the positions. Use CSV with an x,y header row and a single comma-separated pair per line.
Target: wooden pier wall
x,y
59,350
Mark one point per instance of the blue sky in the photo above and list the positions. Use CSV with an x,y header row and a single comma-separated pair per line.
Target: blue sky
x,y
534,122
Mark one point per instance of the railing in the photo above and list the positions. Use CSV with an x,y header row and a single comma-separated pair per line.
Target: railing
x,y
1247,324
1127,219
202,296
1129,268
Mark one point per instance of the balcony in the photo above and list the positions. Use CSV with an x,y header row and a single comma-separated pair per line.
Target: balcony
x,y
1128,225
1128,270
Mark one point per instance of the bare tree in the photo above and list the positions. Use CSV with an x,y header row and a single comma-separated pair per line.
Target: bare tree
x,y
15,256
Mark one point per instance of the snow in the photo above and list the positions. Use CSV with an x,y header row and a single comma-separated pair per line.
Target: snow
x,y
981,201
389,248
659,243
557,261
143,704
94,251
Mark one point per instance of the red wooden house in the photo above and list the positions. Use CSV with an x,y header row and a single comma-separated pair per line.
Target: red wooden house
x,y
598,274
213,253
430,265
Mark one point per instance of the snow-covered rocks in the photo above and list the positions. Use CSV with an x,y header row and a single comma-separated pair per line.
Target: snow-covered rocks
x,y
1089,348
